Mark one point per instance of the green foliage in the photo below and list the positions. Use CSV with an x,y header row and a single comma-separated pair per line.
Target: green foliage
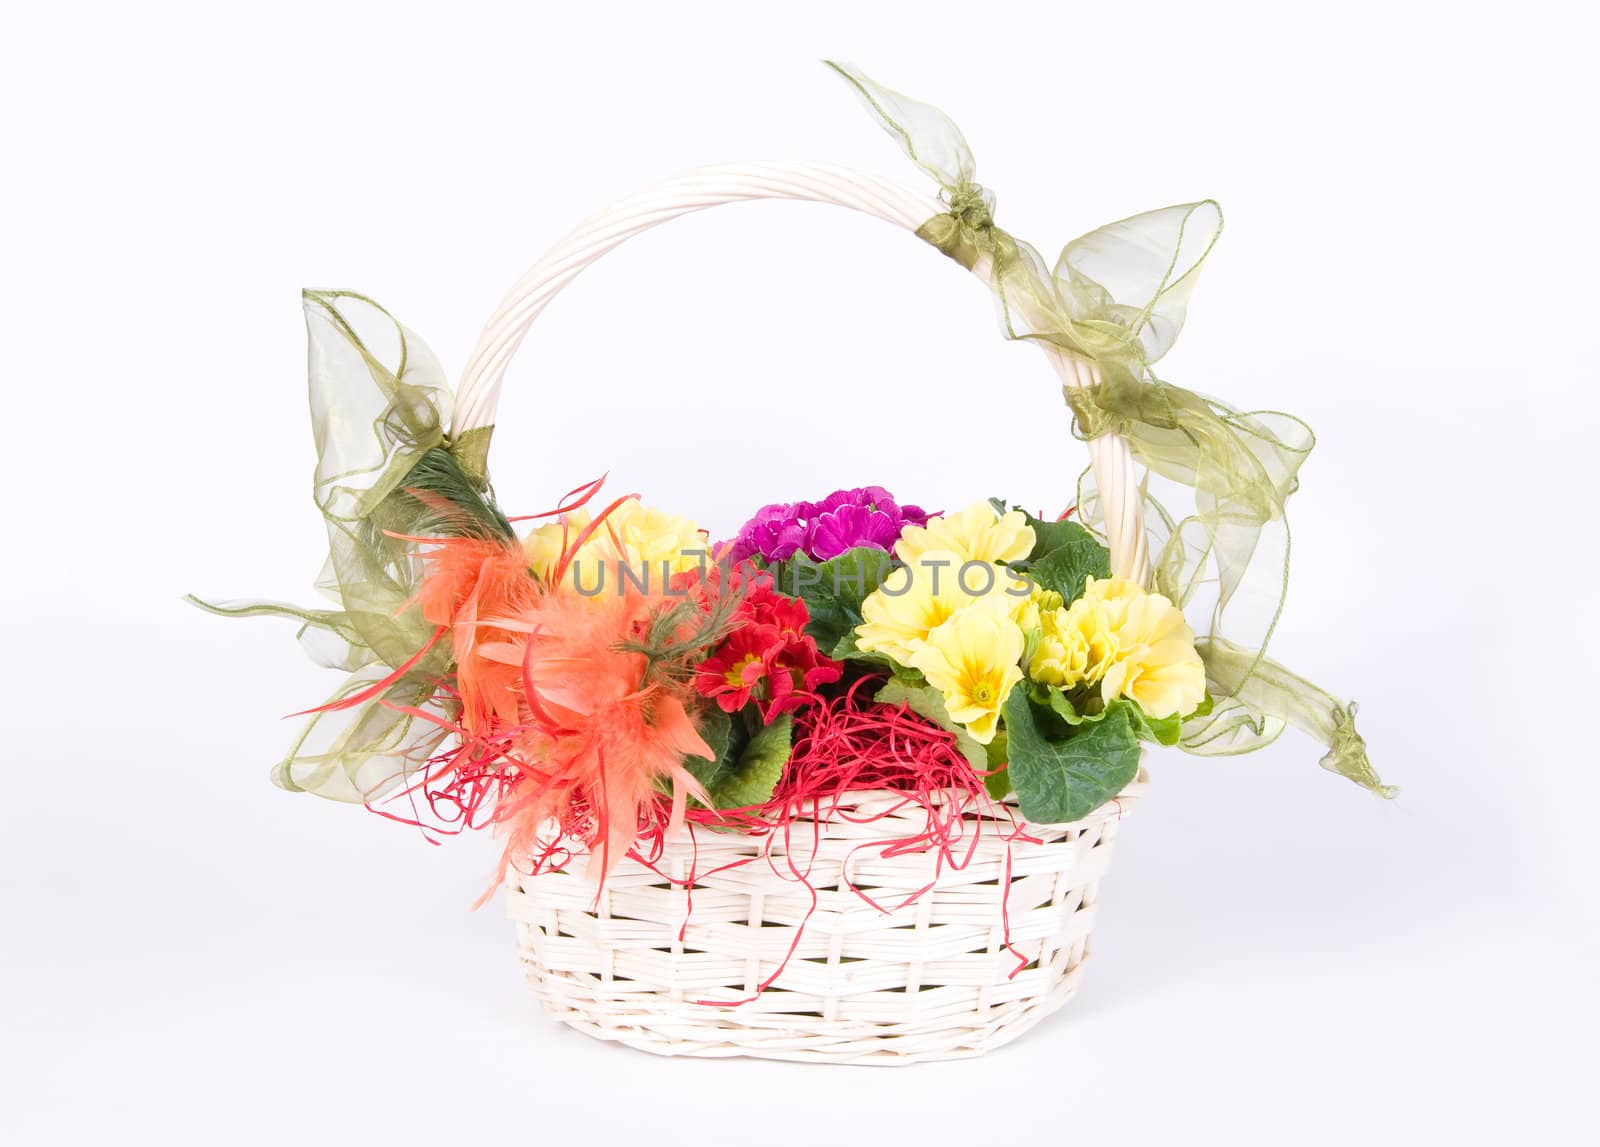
x,y
679,634
716,729
926,702
1052,536
438,498
760,766
1060,712
998,782
833,592
1065,556
1061,778
1161,731
750,762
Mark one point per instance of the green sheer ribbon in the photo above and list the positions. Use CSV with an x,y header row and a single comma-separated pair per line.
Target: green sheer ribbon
x,y
375,416
1116,298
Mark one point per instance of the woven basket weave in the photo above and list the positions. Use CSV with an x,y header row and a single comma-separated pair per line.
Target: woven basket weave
x,y
673,967
654,965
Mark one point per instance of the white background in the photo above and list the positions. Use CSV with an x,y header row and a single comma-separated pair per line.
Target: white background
x,y
191,956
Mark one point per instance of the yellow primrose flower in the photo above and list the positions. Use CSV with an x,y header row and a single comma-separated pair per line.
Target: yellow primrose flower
x,y
976,534
1135,644
1062,655
649,536
544,544
972,660
917,598
1029,611
1112,596
1156,663
1093,625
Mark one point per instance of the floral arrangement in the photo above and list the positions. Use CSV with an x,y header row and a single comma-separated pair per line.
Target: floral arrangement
x,y
594,678
1004,634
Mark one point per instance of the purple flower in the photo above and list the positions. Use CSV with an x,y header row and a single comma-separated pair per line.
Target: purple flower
x,y
844,520
774,533
830,534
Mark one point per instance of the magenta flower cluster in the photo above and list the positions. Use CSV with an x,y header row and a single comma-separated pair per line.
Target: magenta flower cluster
x,y
844,520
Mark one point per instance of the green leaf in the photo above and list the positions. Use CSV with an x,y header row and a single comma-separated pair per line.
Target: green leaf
x,y
833,590
1048,537
748,765
760,765
998,782
926,702
1072,557
716,729
1058,704
1161,730
1060,779
725,736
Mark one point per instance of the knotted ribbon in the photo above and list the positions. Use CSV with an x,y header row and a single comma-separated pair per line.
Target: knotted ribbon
x,y
1116,298
378,423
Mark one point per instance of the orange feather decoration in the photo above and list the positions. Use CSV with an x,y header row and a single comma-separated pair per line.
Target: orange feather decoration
x,y
557,701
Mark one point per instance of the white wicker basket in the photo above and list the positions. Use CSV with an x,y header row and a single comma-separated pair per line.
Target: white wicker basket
x,y
982,955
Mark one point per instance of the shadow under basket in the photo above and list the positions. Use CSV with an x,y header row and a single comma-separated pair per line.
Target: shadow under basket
x,y
973,962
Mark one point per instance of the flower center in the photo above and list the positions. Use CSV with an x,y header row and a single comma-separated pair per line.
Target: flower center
x,y
983,693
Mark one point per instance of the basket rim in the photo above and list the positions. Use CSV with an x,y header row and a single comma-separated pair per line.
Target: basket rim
x,y
882,800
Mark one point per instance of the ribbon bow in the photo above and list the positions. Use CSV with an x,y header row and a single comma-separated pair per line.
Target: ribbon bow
x,y
1116,298
386,472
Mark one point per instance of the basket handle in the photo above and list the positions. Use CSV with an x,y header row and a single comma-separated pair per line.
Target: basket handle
x,y
1116,477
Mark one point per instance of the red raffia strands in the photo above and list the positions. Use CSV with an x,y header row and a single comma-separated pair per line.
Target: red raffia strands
x,y
851,744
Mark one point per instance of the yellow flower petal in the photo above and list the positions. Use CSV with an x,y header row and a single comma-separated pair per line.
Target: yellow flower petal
x,y
1156,663
918,597
1062,655
976,534
972,660
648,537
1133,643
544,544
